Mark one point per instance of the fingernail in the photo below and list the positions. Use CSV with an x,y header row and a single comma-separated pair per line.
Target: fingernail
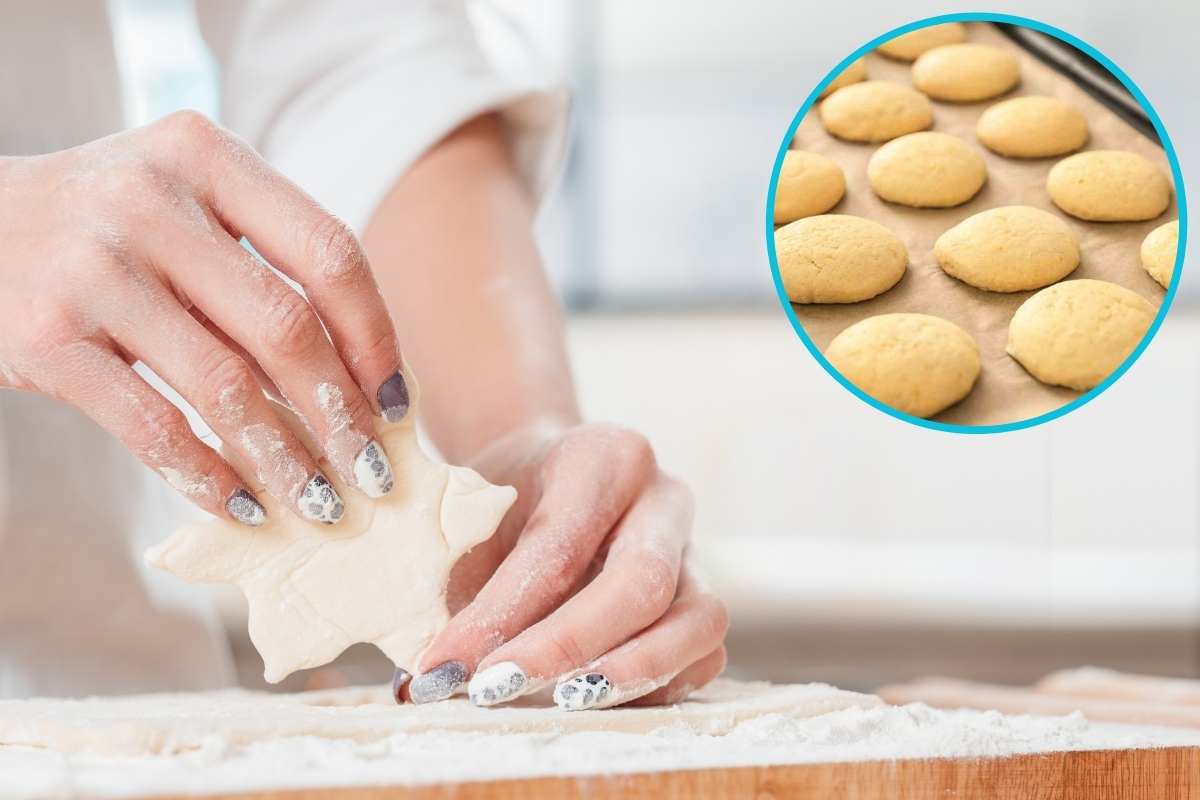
x,y
399,678
245,509
372,470
497,684
581,692
393,398
439,683
320,502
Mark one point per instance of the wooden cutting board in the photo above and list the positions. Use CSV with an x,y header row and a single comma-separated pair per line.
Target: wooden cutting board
x,y
1169,772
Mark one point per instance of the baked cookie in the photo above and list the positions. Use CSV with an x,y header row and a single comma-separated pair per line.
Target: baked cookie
x,y
908,46
875,111
1075,333
914,363
854,72
1009,249
1109,186
1032,127
1159,251
808,184
926,170
965,73
838,258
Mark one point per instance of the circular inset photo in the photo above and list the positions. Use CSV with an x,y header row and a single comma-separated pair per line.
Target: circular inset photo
x,y
976,222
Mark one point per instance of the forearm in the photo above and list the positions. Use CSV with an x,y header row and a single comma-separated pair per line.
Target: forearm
x,y
453,252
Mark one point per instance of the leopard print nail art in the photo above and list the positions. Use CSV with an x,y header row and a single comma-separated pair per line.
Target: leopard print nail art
x,y
582,691
372,471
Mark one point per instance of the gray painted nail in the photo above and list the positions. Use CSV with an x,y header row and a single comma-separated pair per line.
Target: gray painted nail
x,y
582,692
439,683
497,683
320,502
393,398
373,471
245,509
399,679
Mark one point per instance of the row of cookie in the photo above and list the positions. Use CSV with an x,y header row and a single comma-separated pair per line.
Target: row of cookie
x,y
841,258
1071,334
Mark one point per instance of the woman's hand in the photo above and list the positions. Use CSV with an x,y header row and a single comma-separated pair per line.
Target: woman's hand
x,y
585,584
128,249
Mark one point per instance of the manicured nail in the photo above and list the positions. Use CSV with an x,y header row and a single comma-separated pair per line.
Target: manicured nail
x,y
372,471
320,502
393,398
581,692
439,683
497,684
399,679
245,509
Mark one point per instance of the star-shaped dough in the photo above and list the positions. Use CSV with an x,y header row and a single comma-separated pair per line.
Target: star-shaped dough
x,y
378,576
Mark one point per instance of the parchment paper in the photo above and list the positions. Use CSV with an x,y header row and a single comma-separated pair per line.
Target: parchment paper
x,y
1005,392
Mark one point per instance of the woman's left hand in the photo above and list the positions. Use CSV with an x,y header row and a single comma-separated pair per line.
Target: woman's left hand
x,y
584,586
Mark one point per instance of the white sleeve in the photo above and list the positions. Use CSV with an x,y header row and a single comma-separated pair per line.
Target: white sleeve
x,y
344,97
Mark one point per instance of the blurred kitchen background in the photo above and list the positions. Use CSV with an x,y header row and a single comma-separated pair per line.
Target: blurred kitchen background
x,y
852,548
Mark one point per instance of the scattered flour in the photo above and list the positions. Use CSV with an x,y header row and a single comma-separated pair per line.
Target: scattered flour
x,y
431,756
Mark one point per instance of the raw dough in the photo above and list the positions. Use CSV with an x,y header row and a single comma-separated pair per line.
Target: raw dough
x,y
915,363
1032,127
854,72
835,258
927,170
176,723
1009,249
875,111
809,184
908,46
1159,251
379,576
965,73
1075,333
1109,186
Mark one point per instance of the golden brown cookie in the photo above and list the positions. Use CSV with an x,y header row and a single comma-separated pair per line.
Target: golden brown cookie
x,y
875,111
927,170
809,184
838,258
965,73
1009,249
915,363
1032,127
1159,251
908,46
1109,186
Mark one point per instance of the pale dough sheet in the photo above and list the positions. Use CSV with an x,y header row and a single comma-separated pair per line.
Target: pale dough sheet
x,y
1111,251
236,742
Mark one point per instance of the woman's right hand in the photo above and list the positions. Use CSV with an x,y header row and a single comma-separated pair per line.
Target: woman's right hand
x,y
127,249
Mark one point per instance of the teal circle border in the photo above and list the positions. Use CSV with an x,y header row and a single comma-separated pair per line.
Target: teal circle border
x,y
1180,195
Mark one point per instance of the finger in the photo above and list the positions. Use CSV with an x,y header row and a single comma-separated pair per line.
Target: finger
x,y
694,626
311,246
243,297
633,590
694,677
590,481
92,377
221,386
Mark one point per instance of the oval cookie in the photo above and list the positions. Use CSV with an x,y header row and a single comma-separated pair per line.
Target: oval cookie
x,y
1109,186
1009,249
1032,127
965,73
1159,251
1075,333
908,46
855,72
914,363
926,170
875,111
809,184
837,258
